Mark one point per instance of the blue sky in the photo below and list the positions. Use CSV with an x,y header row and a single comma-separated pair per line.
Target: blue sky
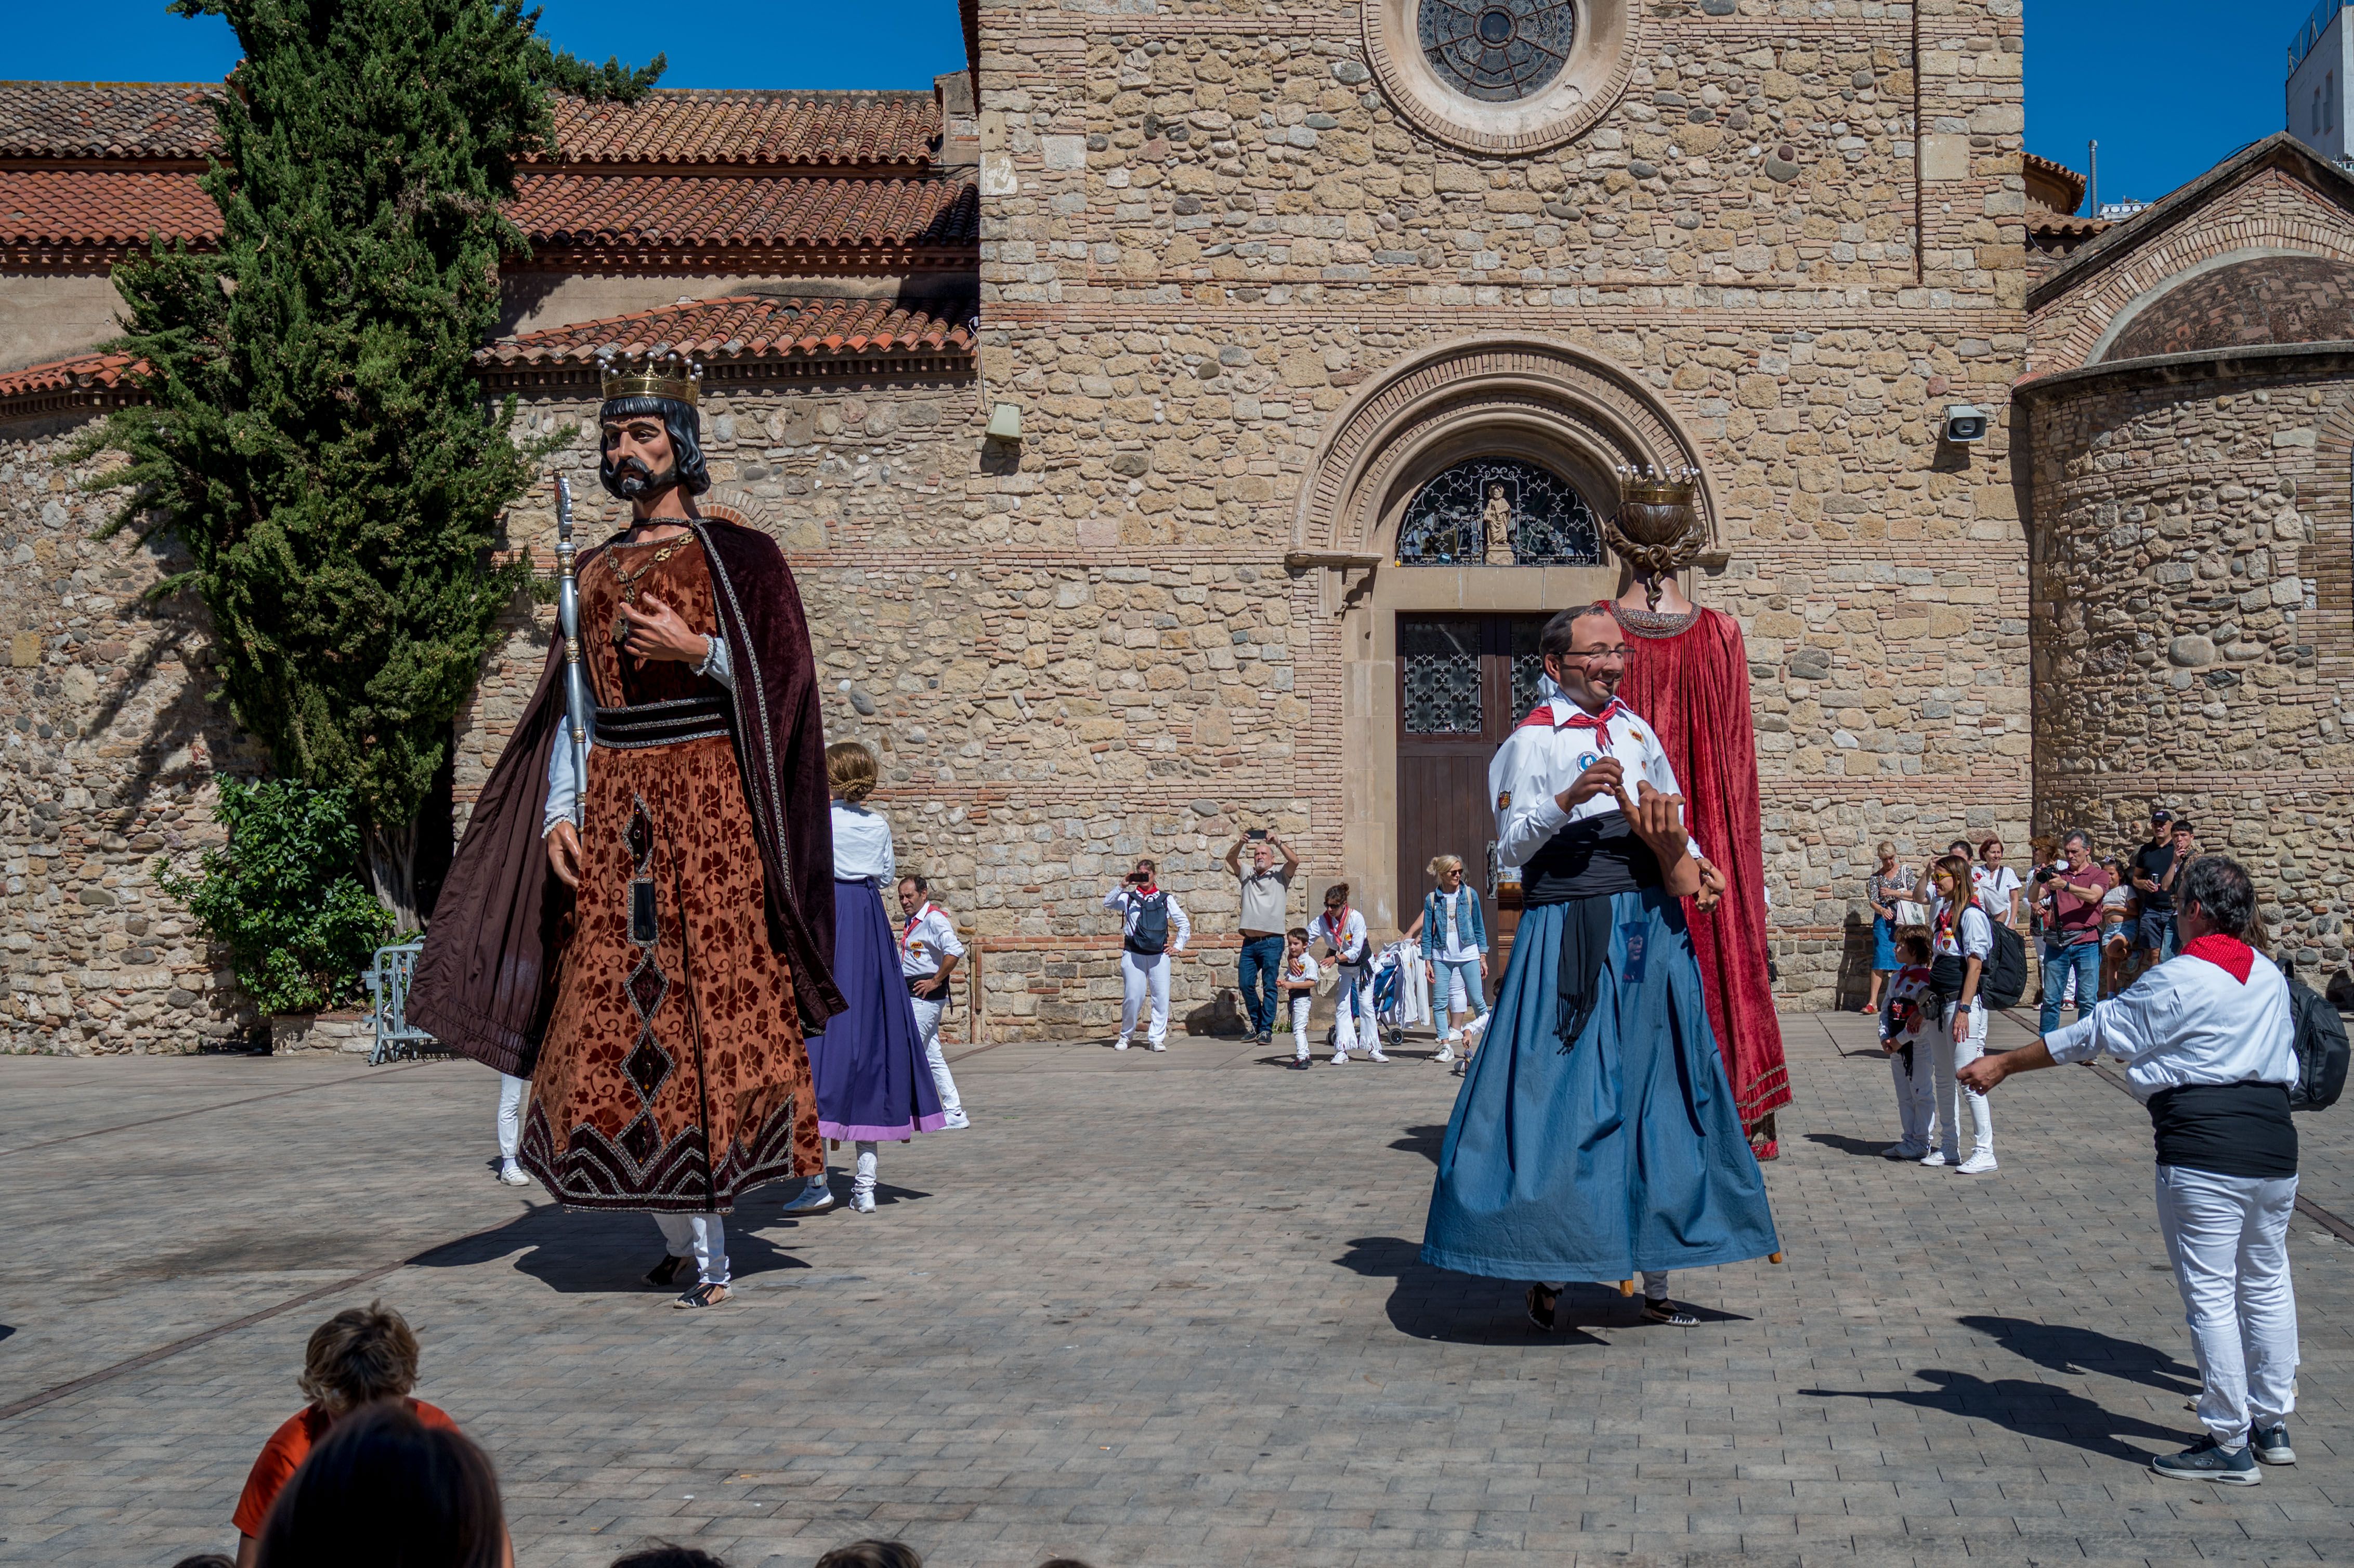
x,y
2168,86
729,43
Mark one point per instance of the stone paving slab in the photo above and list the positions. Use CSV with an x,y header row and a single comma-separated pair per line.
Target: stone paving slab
x,y
1152,1308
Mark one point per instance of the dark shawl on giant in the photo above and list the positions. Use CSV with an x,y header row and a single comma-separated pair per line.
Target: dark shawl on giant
x,y
484,981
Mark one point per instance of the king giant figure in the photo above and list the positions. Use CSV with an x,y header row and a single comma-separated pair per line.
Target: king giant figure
x,y
650,943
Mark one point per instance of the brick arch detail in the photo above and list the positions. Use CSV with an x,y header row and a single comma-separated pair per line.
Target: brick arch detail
x,y
2319,227
1590,402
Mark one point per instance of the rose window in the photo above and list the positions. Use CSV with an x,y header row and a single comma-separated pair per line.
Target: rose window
x,y
1497,50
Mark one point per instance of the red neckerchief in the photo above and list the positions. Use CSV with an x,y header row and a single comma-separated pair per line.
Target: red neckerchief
x,y
915,920
2230,954
1949,920
1146,892
1578,717
1335,929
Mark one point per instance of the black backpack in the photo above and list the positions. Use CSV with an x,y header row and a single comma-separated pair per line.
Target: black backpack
x,y
2004,979
1151,934
2320,1049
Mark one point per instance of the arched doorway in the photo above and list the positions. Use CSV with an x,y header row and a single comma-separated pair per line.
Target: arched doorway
x,y
1437,638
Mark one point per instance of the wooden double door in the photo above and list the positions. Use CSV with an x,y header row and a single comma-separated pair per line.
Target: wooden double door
x,y
1464,682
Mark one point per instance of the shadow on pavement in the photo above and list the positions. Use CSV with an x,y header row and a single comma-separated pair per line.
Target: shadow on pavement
x,y
607,1251
2029,1409
1846,1145
1459,1309
2065,1349
1425,1141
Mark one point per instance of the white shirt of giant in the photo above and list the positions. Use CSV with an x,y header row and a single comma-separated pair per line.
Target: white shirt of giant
x,y
1558,741
2188,1022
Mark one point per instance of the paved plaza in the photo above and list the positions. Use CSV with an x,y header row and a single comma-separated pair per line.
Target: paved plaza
x,y
1150,1310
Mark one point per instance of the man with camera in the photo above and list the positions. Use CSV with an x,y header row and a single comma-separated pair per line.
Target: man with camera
x,y
2068,892
1153,926
1264,917
2154,867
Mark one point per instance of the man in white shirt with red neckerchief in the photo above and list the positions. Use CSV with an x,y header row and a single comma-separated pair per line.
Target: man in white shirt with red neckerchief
x,y
2209,1042
1142,904
928,951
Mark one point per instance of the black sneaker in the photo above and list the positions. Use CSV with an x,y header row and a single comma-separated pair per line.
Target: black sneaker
x,y
1541,1305
1265,1037
2270,1445
2206,1460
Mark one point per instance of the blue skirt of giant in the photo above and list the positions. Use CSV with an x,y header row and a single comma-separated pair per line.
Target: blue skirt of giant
x,y
1622,1154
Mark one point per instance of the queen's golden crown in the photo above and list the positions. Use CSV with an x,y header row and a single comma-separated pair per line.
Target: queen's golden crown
x,y
1649,486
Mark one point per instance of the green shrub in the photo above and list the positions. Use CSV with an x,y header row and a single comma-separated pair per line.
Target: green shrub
x,y
284,896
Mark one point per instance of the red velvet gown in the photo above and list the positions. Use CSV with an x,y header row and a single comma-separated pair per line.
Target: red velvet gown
x,y
1691,680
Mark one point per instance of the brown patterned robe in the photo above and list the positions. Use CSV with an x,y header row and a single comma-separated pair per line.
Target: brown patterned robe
x,y
657,1055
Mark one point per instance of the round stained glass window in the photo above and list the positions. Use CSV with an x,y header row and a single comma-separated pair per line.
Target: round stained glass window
x,y
1495,512
1497,50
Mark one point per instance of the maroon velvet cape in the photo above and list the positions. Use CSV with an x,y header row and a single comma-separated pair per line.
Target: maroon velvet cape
x,y
483,983
1693,687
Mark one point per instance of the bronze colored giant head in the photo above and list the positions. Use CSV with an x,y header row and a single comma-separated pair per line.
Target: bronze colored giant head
x,y
1657,529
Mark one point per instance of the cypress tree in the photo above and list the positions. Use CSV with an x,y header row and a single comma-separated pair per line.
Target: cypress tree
x,y
313,430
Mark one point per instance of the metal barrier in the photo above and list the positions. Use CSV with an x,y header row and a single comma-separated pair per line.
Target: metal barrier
x,y
387,980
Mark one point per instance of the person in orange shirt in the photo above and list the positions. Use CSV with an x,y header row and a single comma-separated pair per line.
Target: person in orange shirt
x,y
356,1357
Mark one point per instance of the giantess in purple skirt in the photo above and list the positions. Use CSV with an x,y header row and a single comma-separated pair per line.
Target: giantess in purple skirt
x,y
874,1083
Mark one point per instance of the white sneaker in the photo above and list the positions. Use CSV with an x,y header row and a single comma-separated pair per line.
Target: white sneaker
x,y
817,1198
862,1202
1445,1052
1376,1056
1120,1044
1980,1162
511,1174
956,1119
1159,1045
1340,1058
1935,1157
1904,1151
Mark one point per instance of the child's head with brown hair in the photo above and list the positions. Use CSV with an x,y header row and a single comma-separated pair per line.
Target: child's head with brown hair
x,y
850,771
359,1355
1912,948
1295,940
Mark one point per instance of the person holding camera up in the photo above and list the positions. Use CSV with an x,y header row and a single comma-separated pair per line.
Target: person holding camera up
x,y
1150,919
2070,891
1264,917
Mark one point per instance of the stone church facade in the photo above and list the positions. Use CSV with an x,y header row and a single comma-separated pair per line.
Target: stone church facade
x,y
1276,297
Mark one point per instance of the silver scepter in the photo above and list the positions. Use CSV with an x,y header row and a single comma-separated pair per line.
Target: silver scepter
x,y
575,679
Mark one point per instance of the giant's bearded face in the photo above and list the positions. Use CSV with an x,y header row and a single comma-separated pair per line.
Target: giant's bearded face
x,y
648,446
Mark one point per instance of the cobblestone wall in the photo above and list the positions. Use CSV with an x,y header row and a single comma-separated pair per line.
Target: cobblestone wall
x,y
110,751
2194,625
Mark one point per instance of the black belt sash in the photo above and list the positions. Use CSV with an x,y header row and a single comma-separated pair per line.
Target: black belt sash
x,y
1582,866
670,723
2228,1129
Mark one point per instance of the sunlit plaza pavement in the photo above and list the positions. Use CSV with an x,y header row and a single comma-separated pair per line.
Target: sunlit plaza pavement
x,y
1149,1311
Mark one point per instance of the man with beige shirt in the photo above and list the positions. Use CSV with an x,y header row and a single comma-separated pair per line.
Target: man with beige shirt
x,y
1264,918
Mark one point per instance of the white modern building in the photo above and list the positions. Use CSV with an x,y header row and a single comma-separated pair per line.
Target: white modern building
x,y
2320,60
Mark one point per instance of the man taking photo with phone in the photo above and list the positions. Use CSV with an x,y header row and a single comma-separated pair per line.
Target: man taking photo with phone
x,y
1153,926
1265,915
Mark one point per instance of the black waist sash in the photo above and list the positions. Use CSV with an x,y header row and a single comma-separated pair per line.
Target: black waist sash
x,y
1582,866
662,723
2229,1129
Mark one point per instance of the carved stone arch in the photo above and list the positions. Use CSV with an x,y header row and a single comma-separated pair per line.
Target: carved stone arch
x,y
1523,396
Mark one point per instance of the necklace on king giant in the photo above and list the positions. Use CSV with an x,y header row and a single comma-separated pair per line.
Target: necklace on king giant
x,y
628,582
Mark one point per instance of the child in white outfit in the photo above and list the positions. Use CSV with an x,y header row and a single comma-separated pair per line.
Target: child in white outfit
x,y
1299,987
1907,1020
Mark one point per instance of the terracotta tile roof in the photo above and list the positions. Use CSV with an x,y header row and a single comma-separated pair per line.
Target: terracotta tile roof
x,y
102,206
54,213
587,211
2067,181
804,129
85,381
2057,234
752,328
741,129
107,119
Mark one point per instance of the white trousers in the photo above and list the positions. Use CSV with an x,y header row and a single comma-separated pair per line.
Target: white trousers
x,y
1949,1056
1302,1003
862,1179
1139,974
1916,1092
511,1094
704,1236
1352,1006
927,1030
2228,1238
